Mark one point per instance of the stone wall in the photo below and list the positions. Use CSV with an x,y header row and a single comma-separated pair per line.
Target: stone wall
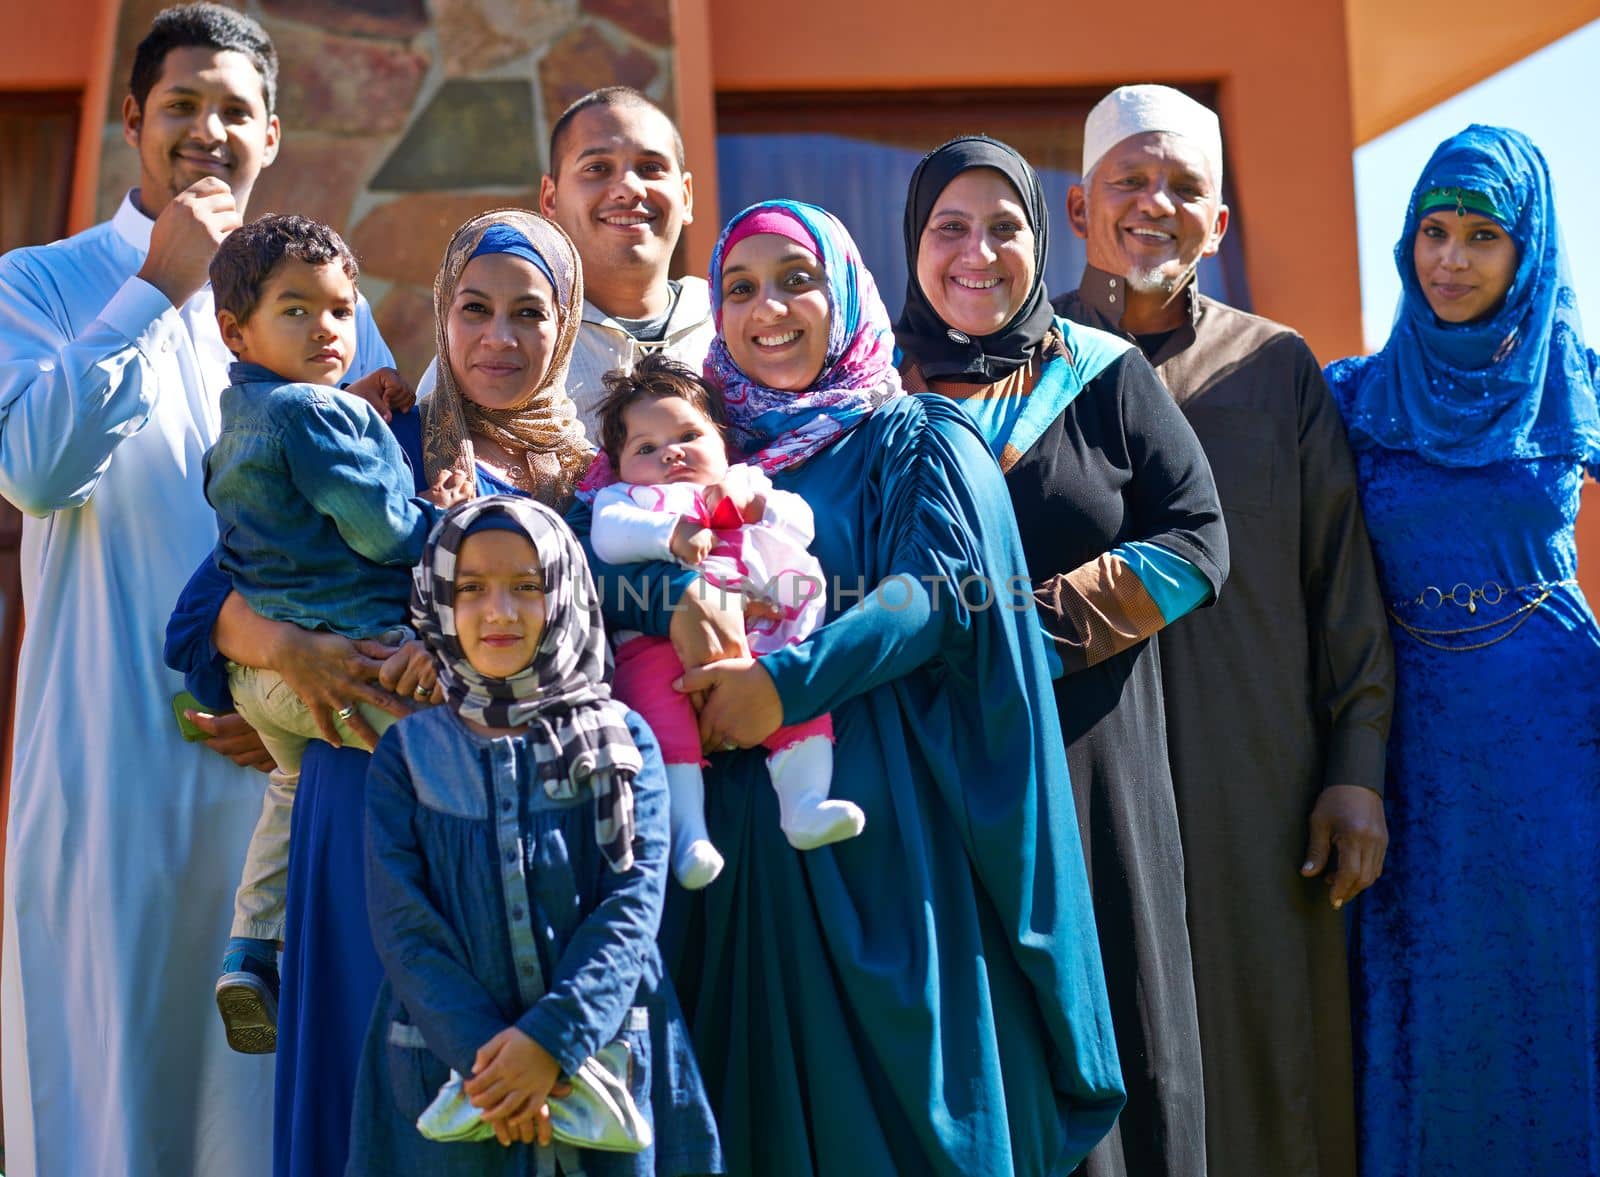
x,y
402,118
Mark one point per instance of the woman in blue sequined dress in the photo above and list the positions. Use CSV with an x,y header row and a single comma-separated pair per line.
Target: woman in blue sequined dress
x,y
1478,955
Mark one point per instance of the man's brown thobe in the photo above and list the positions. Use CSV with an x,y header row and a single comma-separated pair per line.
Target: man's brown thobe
x,y
1280,689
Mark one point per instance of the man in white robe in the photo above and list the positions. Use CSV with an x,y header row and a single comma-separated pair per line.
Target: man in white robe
x,y
125,842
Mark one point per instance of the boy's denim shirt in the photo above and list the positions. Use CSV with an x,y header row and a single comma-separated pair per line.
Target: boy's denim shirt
x,y
317,523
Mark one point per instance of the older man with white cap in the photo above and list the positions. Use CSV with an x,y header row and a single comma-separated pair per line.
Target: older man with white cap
x,y
1278,697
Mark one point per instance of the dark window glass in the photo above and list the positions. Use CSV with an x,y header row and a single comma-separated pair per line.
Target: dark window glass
x,y
38,140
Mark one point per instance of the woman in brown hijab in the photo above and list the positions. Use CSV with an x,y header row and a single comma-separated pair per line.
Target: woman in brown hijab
x,y
507,302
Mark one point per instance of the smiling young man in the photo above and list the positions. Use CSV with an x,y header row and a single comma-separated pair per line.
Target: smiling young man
x,y
1278,696
618,186
124,841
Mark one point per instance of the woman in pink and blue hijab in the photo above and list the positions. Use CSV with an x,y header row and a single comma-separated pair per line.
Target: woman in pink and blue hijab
x,y
778,427
1478,953
824,987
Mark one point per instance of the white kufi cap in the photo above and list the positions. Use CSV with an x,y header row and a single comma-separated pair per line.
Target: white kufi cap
x,y
1135,110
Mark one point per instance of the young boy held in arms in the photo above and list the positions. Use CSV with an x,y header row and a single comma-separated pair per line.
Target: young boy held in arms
x,y
317,525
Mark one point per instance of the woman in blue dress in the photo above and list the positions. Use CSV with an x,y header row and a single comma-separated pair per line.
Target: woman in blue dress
x,y
501,413
926,997
1478,956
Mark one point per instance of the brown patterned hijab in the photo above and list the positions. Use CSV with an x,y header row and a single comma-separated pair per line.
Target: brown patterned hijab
x,y
544,425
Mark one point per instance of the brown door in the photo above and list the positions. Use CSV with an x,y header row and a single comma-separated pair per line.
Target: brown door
x,y
38,139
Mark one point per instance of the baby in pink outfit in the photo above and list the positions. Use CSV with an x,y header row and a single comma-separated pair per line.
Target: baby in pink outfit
x,y
678,499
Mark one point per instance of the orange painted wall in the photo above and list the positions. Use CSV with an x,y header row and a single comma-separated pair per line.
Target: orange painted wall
x,y
697,121
1282,81
67,46
1589,543
50,54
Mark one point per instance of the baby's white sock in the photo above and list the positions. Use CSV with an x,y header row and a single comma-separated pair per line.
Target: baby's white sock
x,y
695,861
801,775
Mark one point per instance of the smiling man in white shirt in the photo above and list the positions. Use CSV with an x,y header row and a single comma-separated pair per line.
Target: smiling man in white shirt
x,y
124,841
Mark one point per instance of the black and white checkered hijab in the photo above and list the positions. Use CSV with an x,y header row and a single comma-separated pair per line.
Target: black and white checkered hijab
x,y
564,689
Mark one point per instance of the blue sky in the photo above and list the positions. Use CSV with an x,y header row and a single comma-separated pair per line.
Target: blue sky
x,y
1544,95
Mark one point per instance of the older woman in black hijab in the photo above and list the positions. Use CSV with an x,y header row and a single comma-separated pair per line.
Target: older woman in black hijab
x,y
1123,534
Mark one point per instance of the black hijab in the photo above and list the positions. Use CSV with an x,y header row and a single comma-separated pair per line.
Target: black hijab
x,y
938,349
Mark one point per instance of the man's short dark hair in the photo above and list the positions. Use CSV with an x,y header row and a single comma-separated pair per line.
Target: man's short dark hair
x,y
203,26
654,378
609,96
247,256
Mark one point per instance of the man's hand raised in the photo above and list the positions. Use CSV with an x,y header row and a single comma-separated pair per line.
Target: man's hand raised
x,y
185,238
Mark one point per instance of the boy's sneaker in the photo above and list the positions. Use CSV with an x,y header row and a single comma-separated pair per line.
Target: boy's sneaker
x,y
247,995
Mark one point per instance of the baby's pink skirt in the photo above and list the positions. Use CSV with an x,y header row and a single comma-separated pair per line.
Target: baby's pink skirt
x,y
646,669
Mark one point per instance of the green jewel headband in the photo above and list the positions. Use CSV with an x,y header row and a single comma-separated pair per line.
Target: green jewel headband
x,y
1463,200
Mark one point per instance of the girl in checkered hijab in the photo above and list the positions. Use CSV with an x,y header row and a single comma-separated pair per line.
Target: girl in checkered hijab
x,y
516,866
537,658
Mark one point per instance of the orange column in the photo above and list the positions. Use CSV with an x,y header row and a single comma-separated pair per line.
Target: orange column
x,y
697,120
1589,543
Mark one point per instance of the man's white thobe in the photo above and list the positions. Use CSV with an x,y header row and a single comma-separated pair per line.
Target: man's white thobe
x,y
125,843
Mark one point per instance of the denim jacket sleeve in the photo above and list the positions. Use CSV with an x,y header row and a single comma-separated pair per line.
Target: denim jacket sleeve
x,y
189,647
423,956
350,468
594,982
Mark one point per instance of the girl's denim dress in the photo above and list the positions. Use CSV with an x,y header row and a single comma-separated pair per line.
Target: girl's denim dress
x,y
492,905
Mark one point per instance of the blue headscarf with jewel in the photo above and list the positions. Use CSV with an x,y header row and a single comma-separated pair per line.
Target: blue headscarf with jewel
x,y
1515,384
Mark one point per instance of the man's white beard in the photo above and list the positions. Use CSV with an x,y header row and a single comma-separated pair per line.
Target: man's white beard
x,y
1156,280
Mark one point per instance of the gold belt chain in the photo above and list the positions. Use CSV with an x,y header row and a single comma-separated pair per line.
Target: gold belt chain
x,y
1491,593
